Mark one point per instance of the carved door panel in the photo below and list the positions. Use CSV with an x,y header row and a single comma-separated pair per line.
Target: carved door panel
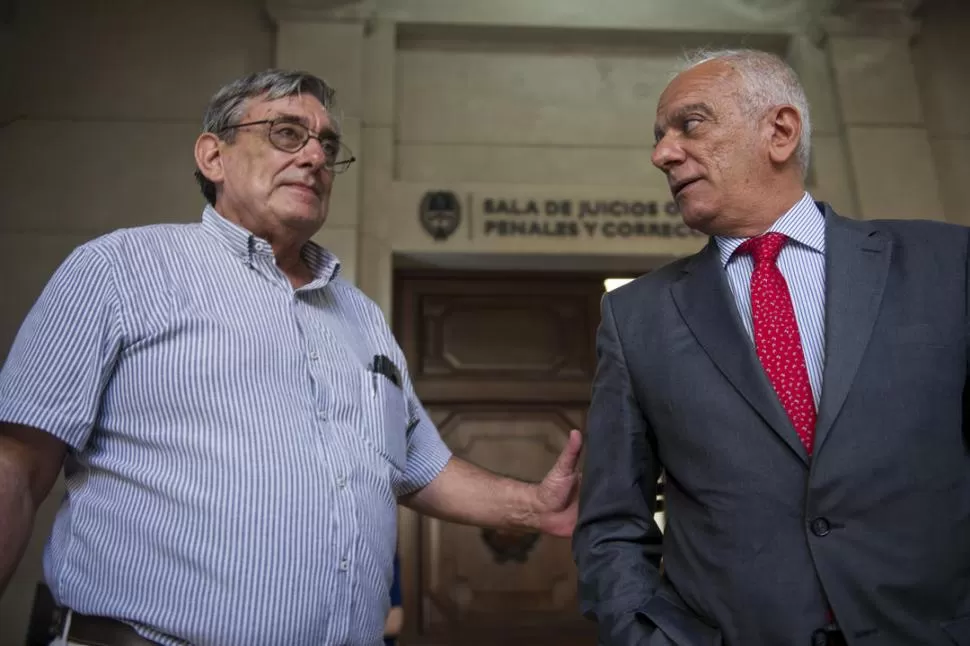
x,y
486,581
504,367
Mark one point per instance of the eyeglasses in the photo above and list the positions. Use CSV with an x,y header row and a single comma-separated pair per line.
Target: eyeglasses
x,y
291,136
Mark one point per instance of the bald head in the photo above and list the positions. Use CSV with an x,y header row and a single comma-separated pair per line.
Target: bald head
x,y
732,136
764,80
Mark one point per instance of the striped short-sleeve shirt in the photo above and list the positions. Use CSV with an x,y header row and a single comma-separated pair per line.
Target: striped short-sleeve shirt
x,y
234,459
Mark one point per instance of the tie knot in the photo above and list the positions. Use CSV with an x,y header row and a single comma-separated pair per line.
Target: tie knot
x,y
764,248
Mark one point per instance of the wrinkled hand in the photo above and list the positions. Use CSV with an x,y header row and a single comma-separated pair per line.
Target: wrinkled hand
x,y
557,496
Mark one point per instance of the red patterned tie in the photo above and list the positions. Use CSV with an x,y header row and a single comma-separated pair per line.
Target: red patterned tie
x,y
777,341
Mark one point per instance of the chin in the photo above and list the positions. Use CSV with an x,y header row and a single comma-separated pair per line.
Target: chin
x,y
303,212
306,219
697,217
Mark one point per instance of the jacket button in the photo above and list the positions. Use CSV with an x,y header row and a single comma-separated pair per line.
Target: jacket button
x,y
819,638
821,527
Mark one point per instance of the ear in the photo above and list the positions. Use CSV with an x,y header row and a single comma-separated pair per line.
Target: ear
x,y
208,157
785,125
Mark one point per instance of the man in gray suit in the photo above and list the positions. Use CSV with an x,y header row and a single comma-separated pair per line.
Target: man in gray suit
x,y
800,382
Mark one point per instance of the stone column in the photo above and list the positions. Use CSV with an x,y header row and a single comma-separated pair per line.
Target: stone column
x,y
312,36
375,257
830,176
868,43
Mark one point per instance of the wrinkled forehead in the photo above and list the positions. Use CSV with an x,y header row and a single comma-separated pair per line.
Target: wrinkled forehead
x,y
304,108
706,84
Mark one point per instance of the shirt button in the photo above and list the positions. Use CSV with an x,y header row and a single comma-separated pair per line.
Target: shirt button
x,y
322,414
821,527
341,481
343,565
314,356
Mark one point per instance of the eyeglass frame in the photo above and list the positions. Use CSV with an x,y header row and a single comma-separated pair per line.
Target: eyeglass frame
x,y
320,137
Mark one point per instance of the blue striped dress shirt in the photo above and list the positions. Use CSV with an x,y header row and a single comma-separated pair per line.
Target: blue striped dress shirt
x,y
234,463
802,263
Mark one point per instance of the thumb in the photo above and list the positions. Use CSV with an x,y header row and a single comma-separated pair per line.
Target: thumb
x,y
569,456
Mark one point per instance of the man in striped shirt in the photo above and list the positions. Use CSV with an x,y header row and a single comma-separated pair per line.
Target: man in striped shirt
x,y
235,421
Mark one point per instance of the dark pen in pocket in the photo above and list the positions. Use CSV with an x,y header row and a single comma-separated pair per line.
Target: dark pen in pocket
x,y
382,365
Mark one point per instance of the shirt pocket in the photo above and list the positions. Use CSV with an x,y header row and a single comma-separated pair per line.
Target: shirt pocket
x,y
388,420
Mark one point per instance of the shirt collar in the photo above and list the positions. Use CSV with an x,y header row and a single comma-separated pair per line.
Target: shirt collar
x,y
804,223
246,246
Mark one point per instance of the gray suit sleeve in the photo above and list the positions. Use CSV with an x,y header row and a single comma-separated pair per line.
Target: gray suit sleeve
x,y
617,543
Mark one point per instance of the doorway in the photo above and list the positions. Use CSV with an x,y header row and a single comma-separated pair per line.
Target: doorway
x,y
504,364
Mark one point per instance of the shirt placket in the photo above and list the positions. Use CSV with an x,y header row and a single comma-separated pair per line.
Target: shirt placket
x,y
324,361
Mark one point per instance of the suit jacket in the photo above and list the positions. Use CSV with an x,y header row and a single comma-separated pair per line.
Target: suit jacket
x,y
760,540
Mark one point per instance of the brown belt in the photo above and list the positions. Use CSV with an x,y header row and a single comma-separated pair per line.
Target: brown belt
x,y
101,631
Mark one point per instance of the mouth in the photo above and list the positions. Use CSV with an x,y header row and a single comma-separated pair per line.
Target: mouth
x,y
676,187
310,189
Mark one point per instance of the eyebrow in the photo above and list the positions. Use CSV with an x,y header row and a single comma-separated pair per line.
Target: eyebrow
x,y
326,133
681,113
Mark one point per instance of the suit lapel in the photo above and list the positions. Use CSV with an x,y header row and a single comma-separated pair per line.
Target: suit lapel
x,y
705,302
857,265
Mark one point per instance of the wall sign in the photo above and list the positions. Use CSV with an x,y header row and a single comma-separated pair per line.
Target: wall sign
x,y
490,216
581,218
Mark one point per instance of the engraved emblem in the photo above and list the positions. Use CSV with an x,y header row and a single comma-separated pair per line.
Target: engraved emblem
x,y
440,214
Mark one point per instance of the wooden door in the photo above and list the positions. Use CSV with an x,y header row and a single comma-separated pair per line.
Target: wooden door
x,y
504,366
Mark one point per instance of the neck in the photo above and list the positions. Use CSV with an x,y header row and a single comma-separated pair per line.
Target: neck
x,y
287,243
291,263
761,215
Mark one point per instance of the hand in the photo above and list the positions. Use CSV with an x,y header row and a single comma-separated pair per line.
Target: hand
x,y
557,496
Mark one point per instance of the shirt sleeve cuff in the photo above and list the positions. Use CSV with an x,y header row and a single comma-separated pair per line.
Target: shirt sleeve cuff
x,y
70,432
427,455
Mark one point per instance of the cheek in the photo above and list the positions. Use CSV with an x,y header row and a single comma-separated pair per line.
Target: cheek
x,y
730,161
262,180
719,155
241,171
258,170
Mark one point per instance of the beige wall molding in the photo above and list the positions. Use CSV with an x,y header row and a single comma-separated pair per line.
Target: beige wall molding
x,y
689,16
873,18
319,10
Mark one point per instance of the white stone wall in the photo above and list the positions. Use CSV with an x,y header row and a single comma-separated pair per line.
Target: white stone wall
x,y
942,63
888,146
539,107
100,103
102,99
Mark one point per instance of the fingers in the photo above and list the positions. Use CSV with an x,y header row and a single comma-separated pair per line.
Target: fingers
x,y
575,442
569,457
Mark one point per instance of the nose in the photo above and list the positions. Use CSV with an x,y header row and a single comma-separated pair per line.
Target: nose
x,y
667,153
312,154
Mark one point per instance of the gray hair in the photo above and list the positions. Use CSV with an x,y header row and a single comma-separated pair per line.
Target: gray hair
x,y
227,106
766,81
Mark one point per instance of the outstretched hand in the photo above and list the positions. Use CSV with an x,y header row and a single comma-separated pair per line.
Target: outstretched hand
x,y
558,493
